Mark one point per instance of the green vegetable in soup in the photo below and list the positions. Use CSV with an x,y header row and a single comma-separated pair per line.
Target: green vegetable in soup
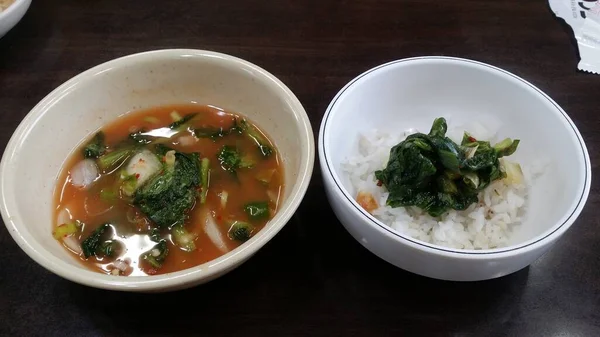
x,y
217,132
204,178
181,122
212,133
231,160
95,147
66,229
169,195
128,183
183,238
257,210
113,159
157,255
93,242
432,172
240,231
161,149
108,248
262,143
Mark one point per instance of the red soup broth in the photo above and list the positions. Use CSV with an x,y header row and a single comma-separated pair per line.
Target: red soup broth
x,y
84,209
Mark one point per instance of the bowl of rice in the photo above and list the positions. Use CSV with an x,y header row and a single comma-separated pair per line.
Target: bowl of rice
x,y
451,168
11,12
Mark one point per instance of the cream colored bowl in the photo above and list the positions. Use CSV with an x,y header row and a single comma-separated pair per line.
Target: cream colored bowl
x,y
57,125
12,15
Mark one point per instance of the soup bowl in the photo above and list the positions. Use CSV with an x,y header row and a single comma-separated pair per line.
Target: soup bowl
x,y
409,94
58,124
12,15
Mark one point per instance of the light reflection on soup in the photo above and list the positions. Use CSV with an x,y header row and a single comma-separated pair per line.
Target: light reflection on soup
x,y
166,189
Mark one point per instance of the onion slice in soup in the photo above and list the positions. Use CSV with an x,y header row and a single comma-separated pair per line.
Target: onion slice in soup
x,y
212,229
84,173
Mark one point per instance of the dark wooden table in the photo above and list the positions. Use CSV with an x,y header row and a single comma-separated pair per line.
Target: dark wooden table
x,y
313,279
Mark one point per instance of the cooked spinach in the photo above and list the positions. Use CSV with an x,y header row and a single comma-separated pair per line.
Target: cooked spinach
x,y
169,195
183,238
241,231
210,132
231,159
157,255
257,210
434,173
262,143
218,132
95,147
108,248
177,124
91,245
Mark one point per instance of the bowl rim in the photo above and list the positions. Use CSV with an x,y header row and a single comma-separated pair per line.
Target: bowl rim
x,y
169,281
15,7
549,235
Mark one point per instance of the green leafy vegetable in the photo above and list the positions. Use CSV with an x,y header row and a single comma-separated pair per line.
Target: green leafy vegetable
x,y
66,229
113,159
128,183
96,147
204,178
439,128
179,123
257,210
93,242
209,132
108,248
506,147
241,231
157,255
183,238
262,143
512,171
168,196
432,172
220,132
449,153
161,149
231,160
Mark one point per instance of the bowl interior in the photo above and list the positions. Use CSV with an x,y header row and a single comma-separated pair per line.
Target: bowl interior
x,y
412,93
59,124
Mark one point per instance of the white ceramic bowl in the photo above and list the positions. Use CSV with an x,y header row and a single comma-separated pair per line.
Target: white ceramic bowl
x,y
410,93
12,15
57,125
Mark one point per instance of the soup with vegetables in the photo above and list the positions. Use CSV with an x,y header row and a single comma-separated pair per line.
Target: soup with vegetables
x,y
166,189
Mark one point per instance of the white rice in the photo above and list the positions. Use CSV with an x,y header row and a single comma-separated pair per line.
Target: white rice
x,y
485,225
